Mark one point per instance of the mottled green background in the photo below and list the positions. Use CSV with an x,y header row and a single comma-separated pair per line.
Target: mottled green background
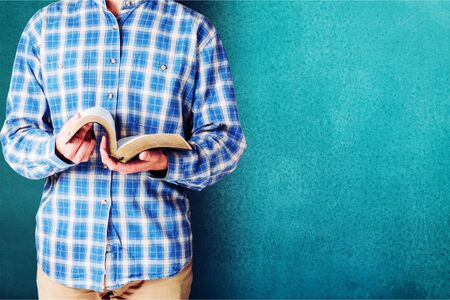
x,y
344,190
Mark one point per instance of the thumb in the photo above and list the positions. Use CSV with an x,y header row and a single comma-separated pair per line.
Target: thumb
x,y
67,127
77,115
145,155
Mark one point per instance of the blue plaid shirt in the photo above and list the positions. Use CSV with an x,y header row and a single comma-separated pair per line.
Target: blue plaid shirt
x,y
159,67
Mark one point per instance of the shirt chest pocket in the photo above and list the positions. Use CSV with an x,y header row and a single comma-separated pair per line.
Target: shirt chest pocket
x,y
168,71
65,74
65,81
156,104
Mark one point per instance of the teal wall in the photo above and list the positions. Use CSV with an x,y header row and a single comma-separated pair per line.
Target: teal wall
x,y
344,190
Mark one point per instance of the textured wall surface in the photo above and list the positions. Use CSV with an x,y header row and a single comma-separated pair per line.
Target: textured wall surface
x,y
344,190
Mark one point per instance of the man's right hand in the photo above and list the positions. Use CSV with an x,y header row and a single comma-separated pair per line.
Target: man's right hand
x,y
82,145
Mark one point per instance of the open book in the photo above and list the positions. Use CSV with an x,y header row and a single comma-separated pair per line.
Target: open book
x,y
128,147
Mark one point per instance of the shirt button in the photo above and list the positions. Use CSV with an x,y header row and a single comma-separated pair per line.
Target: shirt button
x,y
113,60
110,95
128,3
115,27
104,201
163,67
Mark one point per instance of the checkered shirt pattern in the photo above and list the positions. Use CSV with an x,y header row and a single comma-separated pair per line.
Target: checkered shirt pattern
x,y
158,67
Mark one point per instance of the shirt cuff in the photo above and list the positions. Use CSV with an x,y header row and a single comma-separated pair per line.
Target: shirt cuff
x,y
54,159
174,166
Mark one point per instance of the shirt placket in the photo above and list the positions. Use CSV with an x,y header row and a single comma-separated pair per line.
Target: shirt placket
x,y
112,59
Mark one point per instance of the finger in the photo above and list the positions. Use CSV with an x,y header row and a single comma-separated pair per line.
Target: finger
x,y
136,162
108,161
66,148
104,152
72,149
112,164
102,146
82,154
91,147
104,159
76,116
131,166
65,129
79,135
145,155
150,155
104,155
138,165
70,122
87,139
77,140
103,142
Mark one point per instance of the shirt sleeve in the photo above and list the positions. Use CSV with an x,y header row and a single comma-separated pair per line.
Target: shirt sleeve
x,y
217,138
27,137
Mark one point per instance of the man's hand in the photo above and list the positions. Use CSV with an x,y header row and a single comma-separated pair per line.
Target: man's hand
x,y
82,145
149,160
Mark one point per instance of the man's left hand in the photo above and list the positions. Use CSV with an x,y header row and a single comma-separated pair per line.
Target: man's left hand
x,y
149,160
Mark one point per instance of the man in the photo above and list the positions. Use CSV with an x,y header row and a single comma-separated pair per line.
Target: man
x,y
105,228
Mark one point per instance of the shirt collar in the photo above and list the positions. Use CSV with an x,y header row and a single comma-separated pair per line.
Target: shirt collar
x,y
125,3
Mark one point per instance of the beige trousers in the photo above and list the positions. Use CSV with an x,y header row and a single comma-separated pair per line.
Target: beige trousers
x,y
176,287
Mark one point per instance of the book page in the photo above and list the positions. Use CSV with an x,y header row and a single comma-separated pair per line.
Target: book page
x,y
98,115
131,146
99,112
129,139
